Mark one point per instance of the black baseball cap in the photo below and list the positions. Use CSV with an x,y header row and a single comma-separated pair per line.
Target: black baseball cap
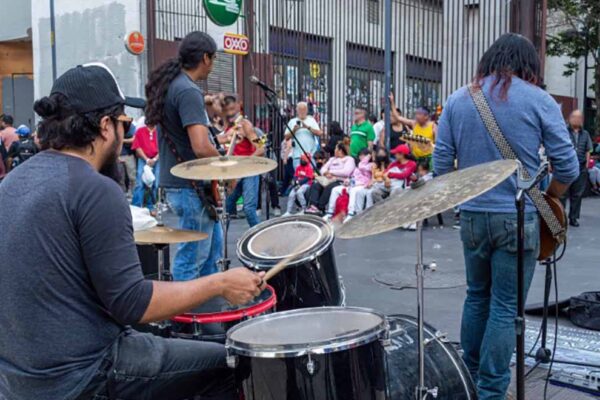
x,y
91,87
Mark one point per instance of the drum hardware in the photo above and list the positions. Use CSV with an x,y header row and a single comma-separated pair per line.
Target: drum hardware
x,y
441,336
232,361
310,365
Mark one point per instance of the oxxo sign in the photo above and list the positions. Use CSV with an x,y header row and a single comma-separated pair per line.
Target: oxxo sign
x,y
223,12
236,44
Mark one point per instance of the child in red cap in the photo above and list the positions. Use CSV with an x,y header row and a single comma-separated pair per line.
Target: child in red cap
x,y
398,172
303,178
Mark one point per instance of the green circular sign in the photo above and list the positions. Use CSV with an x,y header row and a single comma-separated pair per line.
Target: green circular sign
x,y
223,12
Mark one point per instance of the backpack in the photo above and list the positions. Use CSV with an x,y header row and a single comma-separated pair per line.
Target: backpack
x,y
25,149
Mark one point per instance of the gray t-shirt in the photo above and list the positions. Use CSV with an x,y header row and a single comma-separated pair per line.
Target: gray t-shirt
x,y
71,276
184,106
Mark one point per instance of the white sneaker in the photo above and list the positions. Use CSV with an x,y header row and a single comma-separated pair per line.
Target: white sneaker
x,y
286,214
301,212
277,212
348,218
327,217
258,213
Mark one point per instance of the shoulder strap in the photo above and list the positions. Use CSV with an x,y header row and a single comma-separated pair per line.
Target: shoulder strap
x,y
507,152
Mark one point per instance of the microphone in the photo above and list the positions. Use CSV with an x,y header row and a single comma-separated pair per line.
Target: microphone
x,y
261,84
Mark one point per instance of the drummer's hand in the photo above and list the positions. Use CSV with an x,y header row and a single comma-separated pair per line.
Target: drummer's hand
x,y
240,285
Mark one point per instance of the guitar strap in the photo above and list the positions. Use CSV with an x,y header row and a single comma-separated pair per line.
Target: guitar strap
x,y
508,153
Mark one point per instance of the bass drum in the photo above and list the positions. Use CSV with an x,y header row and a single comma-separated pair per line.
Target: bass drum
x,y
311,280
444,367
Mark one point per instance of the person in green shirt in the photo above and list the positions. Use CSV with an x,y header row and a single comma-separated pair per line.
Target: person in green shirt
x,y
362,133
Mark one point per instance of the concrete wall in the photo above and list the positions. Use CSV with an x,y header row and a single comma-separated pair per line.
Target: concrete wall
x,y
16,19
91,30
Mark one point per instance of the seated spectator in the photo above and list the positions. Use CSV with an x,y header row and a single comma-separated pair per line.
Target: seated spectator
x,y
336,170
320,158
397,172
303,178
594,174
357,187
424,171
336,135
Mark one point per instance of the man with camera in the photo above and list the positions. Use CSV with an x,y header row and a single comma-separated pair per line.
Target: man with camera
x,y
306,133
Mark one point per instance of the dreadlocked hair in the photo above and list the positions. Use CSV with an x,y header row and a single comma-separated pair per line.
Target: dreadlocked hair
x,y
191,53
510,55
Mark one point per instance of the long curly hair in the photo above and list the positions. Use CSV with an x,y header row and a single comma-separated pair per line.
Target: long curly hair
x,y
61,127
191,53
510,55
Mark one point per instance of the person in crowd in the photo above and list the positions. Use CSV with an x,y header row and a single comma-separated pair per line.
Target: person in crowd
x,y
362,134
398,130
583,146
145,146
335,171
320,158
242,136
288,166
421,126
357,186
303,178
424,171
378,127
129,161
398,173
306,132
336,135
8,134
594,174
379,180
176,107
23,149
508,74
78,259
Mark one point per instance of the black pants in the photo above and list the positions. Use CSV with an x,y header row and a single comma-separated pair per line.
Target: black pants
x,y
144,366
319,196
574,194
273,195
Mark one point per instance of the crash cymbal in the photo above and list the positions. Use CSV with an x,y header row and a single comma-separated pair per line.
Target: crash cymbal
x,y
166,235
432,197
223,168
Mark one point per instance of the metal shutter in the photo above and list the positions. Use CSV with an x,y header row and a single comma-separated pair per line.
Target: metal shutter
x,y
222,77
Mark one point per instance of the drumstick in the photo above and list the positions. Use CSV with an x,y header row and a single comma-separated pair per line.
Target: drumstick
x,y
281,265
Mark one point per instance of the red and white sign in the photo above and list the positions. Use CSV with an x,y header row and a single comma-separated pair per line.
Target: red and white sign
x,y
236,44
135,43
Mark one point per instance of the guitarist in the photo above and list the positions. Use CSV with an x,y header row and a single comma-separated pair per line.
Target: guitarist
x,y
243,142
508,75
176,106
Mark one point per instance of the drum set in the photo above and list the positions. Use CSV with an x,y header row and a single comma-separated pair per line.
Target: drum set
x,y
298,340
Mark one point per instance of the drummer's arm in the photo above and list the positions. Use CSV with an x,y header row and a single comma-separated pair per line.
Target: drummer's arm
x,y
200,142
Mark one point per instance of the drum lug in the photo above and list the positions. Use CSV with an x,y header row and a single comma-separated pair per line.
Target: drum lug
x,y
232,361
441,336
310,365
386,339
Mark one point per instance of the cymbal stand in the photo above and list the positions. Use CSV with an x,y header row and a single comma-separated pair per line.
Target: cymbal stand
x,y
225,218
163,274
421,391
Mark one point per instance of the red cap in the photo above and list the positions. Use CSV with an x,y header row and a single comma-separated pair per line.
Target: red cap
x,y
401,149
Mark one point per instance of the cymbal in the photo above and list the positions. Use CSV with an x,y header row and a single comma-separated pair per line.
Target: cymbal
x,y
431,198
166,235
223,168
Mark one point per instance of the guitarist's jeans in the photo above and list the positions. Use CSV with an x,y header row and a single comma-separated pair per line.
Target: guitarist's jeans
x,y
488,321
195,259
247,187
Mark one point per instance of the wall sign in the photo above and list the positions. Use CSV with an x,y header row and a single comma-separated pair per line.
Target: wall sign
x,y
135,43
223,12
236,44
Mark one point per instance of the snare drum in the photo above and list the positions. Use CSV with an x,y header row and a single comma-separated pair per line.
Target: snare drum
x,y
329,353
312,279
213,319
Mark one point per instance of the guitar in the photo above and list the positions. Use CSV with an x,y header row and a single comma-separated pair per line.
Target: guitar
x,y
424,144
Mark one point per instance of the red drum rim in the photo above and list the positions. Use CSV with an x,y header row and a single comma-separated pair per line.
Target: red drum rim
x,y
228,316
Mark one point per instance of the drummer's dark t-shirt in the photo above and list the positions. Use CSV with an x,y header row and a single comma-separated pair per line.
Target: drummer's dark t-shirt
x,y
71,276
184,106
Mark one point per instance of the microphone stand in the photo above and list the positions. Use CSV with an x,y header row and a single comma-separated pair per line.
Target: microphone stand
x,y
523,185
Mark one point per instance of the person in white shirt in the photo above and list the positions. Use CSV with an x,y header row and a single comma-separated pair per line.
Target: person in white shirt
x,y
305,129
379,125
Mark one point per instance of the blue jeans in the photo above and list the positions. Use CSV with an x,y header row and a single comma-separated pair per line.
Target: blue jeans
x,y
247,187
195,259
139,192
488,320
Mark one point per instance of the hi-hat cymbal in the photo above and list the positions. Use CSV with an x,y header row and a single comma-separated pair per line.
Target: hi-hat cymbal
x,y
433,197
223,168
166,235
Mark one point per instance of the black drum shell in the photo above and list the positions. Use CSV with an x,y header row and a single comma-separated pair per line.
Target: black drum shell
x,y
348,374
444,367
313,281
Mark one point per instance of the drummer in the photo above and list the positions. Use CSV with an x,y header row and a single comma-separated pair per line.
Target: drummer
x,y
72,280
